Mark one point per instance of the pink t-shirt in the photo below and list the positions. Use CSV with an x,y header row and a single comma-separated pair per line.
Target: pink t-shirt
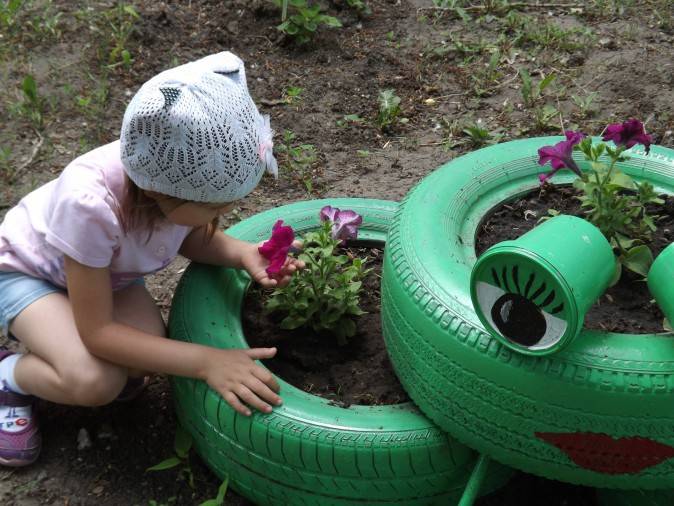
x,y
77,215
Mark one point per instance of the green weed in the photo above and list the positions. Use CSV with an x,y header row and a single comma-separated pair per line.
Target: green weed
x,y
486,75
585,103
33,105
530,31
297,160
479,136
20,20
182,444
6,170
361,7
302,24
292,94
389,109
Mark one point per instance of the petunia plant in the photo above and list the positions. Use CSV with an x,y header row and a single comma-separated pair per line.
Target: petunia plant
x,y
326,294
614,202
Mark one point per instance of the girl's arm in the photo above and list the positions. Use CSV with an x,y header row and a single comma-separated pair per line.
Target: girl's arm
x,y
221,249
232,373
225,250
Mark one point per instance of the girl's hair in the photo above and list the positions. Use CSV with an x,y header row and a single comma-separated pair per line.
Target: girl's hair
x,y
140,212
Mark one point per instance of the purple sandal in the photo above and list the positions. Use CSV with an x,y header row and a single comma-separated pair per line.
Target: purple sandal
x,y
20,439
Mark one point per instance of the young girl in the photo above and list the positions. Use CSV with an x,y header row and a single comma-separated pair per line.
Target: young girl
x,y
73,253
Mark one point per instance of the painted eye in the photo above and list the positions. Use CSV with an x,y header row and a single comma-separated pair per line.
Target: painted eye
x,y
526,312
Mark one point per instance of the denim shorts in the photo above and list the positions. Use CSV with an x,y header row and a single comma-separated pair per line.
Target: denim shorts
x,y
19,290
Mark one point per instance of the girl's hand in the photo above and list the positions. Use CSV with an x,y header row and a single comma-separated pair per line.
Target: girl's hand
x,y
240,381
256,265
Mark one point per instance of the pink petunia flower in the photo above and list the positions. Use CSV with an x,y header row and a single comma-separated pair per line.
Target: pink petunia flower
x,y
628,134
276,248
344,223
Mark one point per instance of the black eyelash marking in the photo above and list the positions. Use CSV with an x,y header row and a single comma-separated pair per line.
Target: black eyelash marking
x,y
504,275
549,296
495,276
516,278
540,290
530,281
548,299
557,309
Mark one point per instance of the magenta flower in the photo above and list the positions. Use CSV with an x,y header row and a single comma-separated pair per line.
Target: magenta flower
x,y
559,155
628,134
344,223
276,248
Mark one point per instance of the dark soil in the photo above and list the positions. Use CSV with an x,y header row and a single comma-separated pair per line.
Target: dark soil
x,y
357,373
627,307
435,62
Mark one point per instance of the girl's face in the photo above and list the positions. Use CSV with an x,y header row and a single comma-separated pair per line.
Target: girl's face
x,y
191,214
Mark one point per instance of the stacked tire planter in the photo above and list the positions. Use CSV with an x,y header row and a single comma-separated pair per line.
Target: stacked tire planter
x,y
598,413
309,452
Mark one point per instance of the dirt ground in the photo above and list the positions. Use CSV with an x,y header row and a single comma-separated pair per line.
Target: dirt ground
x,y
456,72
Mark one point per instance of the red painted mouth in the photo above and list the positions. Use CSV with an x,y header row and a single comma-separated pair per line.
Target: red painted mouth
x,y
604,454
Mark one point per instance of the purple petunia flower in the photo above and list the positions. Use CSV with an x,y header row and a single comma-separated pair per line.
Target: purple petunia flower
x,y
344,223
628,134
276,248
328,213
559,155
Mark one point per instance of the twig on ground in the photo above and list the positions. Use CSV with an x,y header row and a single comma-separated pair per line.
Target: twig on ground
x,y
32,156
273,102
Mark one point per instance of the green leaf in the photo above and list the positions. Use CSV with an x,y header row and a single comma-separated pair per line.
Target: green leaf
x,y
624,242
348,326
619,178
165,464
526,85
131,11
546,82
29,87
331,21
182,442
638,259
220,498
293,322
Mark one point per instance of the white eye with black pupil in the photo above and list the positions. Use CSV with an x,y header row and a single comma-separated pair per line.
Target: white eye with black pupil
x,y
518,318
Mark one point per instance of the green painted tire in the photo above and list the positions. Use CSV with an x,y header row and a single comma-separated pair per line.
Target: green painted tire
x,y
308,452
606,399
614,497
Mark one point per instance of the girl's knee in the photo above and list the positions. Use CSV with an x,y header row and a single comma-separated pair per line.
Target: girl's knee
x,y
94,384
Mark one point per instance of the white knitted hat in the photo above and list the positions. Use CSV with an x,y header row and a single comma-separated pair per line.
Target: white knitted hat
x,y
193,132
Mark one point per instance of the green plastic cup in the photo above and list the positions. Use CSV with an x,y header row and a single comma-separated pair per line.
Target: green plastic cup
x,y
661,281
532,293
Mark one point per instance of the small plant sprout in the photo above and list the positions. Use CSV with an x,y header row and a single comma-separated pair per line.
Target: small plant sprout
x,y
349,119
297,160
6,169
182,444
361,7
532,94
614,202
302,24
292,94
389,109
585,103
326,293
480,136
33,104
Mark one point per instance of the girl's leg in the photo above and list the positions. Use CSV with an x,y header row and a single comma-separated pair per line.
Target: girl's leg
x,y
58,366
